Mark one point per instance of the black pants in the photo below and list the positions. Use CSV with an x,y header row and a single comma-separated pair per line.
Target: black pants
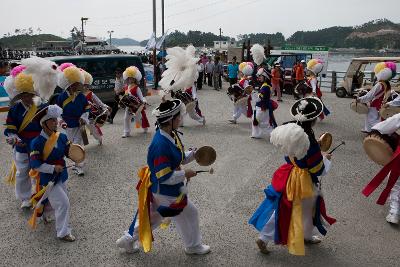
x,y
200,81
232,81
210,78
115,106
220,81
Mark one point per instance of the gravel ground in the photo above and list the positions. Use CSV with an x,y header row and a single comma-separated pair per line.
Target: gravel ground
x,y
103,201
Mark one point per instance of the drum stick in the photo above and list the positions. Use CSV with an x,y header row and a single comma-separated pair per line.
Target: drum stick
x,y
211,171
342,143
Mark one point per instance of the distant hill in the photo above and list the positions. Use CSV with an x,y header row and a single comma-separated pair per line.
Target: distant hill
x,y
25,41
124,41
375,34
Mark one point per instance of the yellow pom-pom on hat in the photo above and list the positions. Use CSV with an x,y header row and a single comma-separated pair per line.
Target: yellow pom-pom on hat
x,y
24,83
88,77
132,72
70,75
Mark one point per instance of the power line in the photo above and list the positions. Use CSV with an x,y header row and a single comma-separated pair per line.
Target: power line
x,y
220,12
175,14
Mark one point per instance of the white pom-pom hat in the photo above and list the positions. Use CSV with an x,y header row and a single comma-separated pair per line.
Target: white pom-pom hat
x,y
132,72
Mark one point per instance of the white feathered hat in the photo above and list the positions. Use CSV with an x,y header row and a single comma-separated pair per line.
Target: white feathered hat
x,y
132,72
68,75
44,74
291,140
181,70
257,51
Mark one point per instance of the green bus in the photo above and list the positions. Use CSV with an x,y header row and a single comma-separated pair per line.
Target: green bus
x,y
102,68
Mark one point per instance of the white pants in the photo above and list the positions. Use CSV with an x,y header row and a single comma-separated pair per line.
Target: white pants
x,y
308,204
263,123
23,185
128,121
395,199
187,222
58,198
94,131
74,135
195,116
238,110
371,119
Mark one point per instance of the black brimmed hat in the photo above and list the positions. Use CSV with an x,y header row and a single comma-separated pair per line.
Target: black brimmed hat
x,y
307,109
167,110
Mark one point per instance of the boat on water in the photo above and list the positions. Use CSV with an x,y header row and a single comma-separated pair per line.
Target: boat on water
x,y
70,47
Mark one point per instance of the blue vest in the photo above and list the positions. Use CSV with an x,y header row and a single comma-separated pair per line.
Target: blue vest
x,y
14,120
74,109
56,157
163,158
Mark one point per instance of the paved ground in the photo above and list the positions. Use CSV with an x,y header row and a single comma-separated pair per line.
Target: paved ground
x,y
103,201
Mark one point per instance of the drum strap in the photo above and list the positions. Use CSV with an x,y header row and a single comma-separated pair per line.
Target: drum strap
x,y
393,168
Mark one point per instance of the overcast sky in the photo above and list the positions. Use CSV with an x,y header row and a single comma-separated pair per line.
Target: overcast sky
x,y
133,18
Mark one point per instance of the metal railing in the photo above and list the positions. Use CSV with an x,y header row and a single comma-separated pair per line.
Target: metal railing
x,y
333,78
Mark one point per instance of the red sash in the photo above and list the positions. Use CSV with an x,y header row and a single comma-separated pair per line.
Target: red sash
x,y
393,167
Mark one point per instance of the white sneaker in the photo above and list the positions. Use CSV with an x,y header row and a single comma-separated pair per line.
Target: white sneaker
x,y
198,250
125,135
392,218
314,240
79,171
127,243
26,204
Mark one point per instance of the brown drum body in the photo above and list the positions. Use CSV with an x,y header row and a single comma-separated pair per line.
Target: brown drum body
x,y
76,153
98,115
380,147
302,89
187,99
387,112
131,102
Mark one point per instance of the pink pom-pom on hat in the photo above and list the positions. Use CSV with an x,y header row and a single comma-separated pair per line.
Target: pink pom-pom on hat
x,y
66,65
17,70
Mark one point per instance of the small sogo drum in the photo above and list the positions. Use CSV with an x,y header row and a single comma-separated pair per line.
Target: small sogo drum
x,y
186,98
325,141
380,147
302,89
76,153
205,156
238,95
360,108
98,115
131,102
389,111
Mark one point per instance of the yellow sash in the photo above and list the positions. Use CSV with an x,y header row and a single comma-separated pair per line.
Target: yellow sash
x,y
48,147
10,179
68,100
145,235
28,118
299,186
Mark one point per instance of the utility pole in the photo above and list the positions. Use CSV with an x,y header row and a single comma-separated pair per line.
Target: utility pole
x,y
154,49
162,25
220,38
110,32
83,32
